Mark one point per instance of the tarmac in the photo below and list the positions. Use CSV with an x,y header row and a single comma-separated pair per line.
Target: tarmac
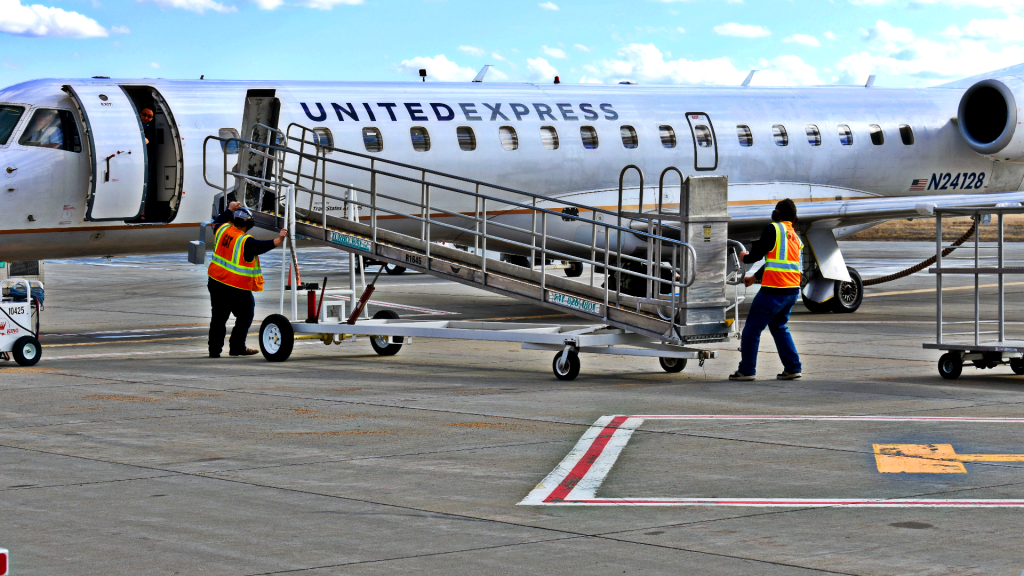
x,y
127,450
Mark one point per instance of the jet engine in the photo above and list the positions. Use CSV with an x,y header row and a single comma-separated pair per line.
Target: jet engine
x,y
988,117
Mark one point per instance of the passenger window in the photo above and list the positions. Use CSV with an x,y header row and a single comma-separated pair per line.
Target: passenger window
x,y
780,135
906,134
467,139
420,138
877,137
845,135
743,133
549,137
629,139
52,129
227,134
813,135
372,140
509,138
703,135
9,116
668,136
323,139
589,136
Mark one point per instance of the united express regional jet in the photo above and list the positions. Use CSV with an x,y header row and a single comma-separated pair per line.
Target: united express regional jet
x,y
82,175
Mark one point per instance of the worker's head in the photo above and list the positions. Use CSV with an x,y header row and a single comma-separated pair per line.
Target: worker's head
x,y
785,211
242,218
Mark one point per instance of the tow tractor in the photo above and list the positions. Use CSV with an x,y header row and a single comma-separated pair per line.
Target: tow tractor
x,y
19,322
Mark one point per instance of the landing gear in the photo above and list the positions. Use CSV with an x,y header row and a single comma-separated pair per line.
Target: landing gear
x,y
846,297
574,269
386,345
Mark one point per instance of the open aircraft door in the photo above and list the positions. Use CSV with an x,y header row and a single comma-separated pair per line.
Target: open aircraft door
x,y
705,144
117,188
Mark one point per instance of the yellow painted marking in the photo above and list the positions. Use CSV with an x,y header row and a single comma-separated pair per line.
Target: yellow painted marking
x,y
930,459
928,290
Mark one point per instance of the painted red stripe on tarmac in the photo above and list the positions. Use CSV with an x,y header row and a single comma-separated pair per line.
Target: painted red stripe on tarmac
x,y
583,466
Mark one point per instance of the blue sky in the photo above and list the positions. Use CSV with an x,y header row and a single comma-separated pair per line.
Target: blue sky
x,y
792,42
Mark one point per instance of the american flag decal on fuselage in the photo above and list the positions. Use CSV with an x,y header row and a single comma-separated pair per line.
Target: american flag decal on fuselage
x,y
919,185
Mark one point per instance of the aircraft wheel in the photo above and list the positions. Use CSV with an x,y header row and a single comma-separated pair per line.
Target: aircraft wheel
x,y
394,269
574,270
817,307
27,351
276,338
568,371
848,295
1017,365
672,365
951,365
386,345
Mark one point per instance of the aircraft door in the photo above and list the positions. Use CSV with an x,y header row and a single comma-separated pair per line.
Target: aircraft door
x,y
262,110
705,144
116,148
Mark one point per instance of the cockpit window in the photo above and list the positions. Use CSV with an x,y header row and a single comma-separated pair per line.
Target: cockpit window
x,y
9,116
52,129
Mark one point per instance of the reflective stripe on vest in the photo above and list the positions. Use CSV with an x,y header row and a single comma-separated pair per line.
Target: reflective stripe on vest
x,y
228,265
782,263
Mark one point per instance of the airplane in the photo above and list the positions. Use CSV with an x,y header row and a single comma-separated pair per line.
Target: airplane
x,y
82,176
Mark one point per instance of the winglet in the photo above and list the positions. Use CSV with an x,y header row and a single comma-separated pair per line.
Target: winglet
x,y
749,78
871,81
483,72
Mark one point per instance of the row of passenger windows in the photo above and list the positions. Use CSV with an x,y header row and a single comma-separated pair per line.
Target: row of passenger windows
x,y
507,135
781,136
373,141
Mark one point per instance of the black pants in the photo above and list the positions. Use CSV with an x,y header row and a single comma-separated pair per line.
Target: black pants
x,y
226,300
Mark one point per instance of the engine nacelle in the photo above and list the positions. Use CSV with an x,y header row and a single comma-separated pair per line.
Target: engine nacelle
x,y
988,116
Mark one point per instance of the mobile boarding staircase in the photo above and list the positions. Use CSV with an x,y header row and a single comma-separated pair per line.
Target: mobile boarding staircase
x,y
396,213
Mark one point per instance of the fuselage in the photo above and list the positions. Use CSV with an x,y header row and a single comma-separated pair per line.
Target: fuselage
x,y
811,144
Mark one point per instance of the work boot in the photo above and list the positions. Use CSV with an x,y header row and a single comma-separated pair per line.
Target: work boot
x,y
737,375
788,375
245,352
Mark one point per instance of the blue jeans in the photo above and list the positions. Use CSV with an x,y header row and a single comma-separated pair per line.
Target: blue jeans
x,y
769,311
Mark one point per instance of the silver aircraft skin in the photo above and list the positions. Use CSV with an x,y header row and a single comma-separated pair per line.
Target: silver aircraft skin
x,y
851,156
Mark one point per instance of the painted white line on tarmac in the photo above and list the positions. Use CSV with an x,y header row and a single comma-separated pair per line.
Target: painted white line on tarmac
x,y
575,480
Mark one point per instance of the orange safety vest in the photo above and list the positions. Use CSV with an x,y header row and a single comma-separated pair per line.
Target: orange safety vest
x,y
228,265
782,264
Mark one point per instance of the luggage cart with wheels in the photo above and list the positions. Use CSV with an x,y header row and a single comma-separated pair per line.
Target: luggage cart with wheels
x,y
982,346
19,322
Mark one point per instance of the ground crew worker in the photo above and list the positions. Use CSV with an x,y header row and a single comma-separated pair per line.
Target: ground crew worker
x,y
780,287
234,275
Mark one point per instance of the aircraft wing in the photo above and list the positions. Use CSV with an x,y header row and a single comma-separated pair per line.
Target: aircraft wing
x,y
749,220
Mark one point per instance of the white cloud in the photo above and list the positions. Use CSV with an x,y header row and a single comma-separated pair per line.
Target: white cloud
x,y
199,6
554,52
830,35
120,30
541,69
741,30
898,52
38,20
582,48
1008,29
472,50
438,68
548,6
1008,6
647,64
681,30
268,4
328,4
495,74
804,39
154,65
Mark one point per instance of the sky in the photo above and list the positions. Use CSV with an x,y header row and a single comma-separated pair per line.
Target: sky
x,y
716,42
